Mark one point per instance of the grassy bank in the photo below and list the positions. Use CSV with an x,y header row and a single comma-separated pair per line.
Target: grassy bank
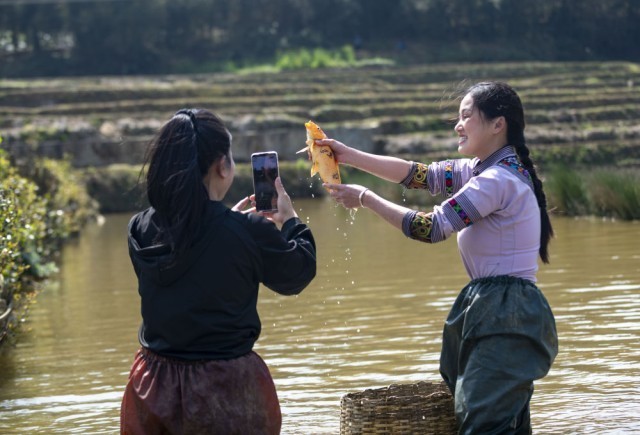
x,y
600,191
608,192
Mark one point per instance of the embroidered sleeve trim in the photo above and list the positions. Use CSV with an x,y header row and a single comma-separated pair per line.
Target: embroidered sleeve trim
x,y
461,212
443,178
419,226
417,178
448,178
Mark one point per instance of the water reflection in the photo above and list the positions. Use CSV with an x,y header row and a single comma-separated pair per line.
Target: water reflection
x,y
372,317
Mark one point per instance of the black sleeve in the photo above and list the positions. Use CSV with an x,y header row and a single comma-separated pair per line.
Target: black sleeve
x,y
288,256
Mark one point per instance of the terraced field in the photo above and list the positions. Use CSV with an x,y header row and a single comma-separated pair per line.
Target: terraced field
x,y
576,112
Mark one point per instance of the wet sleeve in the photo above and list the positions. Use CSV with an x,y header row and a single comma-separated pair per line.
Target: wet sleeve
x,y
288,256
478,198
445,177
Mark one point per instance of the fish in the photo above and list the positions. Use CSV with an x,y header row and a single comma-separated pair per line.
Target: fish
x,y
323,161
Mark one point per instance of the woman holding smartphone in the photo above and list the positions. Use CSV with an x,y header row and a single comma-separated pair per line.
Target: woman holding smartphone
x,y
199,265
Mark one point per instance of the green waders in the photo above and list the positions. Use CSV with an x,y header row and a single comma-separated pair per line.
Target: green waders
x,y
498,338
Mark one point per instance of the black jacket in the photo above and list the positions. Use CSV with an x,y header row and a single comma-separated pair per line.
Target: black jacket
x,y
204,305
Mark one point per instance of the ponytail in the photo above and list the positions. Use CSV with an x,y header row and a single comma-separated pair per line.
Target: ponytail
x,y
178,159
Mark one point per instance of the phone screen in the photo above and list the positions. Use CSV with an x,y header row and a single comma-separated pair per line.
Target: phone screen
x,y
265,172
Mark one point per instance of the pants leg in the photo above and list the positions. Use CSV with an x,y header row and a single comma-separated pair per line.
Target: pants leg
x,y
498,338
168,396
493,392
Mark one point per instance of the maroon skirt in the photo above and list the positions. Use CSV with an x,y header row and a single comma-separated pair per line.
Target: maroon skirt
x,y
170,396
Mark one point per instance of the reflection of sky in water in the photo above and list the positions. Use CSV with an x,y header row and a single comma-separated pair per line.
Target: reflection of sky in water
x,y
372,317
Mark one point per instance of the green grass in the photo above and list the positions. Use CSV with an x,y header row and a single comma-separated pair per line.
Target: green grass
x,y
604,192
608,192
615,193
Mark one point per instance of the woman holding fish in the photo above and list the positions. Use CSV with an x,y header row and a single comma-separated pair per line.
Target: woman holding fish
x,y
500,334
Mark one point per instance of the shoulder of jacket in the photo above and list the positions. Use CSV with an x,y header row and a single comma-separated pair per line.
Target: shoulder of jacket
x,y
513,165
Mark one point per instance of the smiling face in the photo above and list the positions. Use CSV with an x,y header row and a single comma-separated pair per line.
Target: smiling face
x,y
477,136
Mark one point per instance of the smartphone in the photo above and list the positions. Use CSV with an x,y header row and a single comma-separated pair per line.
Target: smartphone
x,y
265,172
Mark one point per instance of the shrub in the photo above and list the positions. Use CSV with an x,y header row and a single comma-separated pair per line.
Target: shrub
x,y
69,206
37,212
23,228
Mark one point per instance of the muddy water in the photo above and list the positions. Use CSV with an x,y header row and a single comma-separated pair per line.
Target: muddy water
x,y
372,317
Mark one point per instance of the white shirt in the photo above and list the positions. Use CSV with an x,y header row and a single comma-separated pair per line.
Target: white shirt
x,y
493,208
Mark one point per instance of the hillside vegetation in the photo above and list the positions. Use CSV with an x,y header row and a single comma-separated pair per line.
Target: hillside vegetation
x,y
578,114
586,112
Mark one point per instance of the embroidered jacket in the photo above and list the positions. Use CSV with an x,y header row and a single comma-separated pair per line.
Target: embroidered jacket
x,y
491,205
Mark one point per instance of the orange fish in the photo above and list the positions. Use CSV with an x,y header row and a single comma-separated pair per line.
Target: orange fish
x,y
323,160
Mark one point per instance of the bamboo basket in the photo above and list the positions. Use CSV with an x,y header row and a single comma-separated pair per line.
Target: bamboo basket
x,y
418,408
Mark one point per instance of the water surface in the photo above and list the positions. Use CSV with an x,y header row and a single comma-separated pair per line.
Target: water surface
x,y
372,317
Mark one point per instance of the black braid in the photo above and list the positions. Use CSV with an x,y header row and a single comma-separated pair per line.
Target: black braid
x,y
496,99
518,142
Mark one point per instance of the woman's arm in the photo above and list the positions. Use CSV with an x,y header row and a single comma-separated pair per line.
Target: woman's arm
x,y
354,196
389,168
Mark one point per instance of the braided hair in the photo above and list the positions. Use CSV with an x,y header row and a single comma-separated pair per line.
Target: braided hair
x,y
178,159
495,99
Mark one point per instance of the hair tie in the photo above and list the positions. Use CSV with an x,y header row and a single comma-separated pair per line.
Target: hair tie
x,y
191,115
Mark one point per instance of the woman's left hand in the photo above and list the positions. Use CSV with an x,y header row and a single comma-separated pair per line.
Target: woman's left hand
x,y
348,195
243,203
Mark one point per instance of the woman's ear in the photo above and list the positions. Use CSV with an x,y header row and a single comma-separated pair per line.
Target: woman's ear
x,y
222,167
499,124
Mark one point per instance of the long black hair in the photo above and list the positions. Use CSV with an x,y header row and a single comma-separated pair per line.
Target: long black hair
x,y
178,158
494,99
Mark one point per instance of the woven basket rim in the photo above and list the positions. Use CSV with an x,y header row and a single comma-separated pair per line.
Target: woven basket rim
x,y
420,407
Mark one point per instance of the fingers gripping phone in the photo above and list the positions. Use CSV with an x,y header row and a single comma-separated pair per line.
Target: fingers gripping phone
x,y
265,172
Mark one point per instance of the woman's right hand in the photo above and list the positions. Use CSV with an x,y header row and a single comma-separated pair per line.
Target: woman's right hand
x,y
340,150
285,207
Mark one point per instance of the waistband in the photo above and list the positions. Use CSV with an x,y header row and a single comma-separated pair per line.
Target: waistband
x,y
152,356
501,279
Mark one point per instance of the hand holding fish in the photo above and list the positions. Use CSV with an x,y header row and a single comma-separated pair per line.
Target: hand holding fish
x,y
323,159
339,149
348,195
